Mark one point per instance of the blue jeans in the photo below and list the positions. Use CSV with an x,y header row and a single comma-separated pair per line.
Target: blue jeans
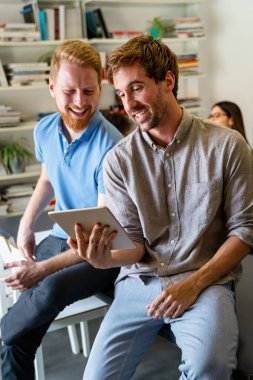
x,y
25,324
206,333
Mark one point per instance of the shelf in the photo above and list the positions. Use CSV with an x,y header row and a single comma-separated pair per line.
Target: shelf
x,y
193,75
119,41
17,178
24,88
151,2
33,43
20,213
24,126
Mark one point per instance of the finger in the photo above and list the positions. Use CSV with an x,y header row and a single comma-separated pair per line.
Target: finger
x,y
168,310
95,235
14,264
154,306
80,240
72,243
81,233
111,237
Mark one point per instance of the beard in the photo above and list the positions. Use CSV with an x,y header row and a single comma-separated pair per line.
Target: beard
x,y
75,124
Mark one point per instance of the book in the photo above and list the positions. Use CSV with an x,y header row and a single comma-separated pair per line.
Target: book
x,y
50,22
96,26
30,13
43,25
28,66
73,23
3,78
61,18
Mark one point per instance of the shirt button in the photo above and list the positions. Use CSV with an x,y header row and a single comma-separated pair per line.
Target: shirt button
x,y
178,141
172,241
162,264
153,146
167,154
169,185
173,214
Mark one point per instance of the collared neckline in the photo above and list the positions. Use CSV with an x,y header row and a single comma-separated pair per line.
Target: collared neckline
x,y
88,131
182,130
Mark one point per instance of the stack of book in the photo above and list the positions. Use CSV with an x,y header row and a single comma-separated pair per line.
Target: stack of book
x,y
188,63
60,22
19,32
8,118
23,74
189,27
17,196
189,102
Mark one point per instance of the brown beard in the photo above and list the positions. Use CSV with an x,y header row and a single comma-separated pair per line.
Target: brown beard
x,y
76,125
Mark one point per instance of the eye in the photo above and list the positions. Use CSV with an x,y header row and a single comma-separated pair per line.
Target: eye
x,y
68,91
88,92
120,94
136,89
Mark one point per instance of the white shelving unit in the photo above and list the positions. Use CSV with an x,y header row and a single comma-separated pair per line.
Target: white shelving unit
x,y
123,15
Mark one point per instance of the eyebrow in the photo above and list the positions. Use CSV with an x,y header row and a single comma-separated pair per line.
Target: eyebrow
x,y
135,81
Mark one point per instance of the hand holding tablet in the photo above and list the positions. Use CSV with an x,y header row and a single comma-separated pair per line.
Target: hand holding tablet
x,y
87,218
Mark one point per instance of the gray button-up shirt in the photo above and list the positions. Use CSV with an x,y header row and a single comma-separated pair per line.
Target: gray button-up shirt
x,y
184,201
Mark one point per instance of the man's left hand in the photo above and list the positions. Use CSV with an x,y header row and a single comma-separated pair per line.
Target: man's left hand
x,y
172,301
26,274
94,247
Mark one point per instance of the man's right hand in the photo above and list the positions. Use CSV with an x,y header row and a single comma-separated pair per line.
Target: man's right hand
x,y
26,242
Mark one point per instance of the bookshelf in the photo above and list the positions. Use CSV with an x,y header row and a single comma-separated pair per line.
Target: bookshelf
x,y
132,15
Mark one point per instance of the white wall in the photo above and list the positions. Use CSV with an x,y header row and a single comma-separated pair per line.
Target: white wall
x,y
228,56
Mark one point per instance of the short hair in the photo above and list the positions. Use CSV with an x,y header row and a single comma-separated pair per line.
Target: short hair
x,y
233,111
78,52
151,53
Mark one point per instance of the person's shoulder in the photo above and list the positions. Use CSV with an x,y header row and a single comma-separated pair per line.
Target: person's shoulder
x,y
106,129
47,121
125,145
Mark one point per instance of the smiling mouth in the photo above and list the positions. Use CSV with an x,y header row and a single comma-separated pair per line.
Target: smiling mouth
x,y
78,113
138,115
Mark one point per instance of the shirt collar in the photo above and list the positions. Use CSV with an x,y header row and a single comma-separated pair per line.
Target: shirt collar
x,y
182,130
89,130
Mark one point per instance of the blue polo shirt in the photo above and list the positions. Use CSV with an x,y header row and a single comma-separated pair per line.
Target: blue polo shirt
x,y
75,169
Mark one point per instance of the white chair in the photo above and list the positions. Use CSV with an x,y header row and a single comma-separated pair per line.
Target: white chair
x,y
80,312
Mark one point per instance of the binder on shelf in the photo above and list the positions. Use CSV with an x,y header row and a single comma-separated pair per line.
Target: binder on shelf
x,y
3,78
96,26
73,23
43,25
30,13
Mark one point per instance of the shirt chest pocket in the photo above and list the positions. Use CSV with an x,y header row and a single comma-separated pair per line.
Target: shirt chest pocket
x,y
201,202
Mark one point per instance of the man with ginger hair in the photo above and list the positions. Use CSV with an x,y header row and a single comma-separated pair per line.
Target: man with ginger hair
x,y
71,145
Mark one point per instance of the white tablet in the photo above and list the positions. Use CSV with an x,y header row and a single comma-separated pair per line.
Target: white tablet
x,y
87,217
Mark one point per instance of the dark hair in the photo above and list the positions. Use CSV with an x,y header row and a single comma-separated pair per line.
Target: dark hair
x,y
151,53
233,111
120,121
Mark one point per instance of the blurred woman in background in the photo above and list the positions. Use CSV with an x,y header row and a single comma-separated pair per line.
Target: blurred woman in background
x,y
229,115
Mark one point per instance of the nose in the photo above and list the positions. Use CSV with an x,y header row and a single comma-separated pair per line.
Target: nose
x,y
79,99
129,102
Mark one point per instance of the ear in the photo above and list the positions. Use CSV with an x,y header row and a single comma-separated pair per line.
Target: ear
x,y
230,122
169,80
51,87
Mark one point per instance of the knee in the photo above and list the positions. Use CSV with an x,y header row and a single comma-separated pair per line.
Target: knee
x,y
208,367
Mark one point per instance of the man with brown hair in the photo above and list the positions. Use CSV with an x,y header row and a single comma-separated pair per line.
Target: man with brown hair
x,y
183,190
71,145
